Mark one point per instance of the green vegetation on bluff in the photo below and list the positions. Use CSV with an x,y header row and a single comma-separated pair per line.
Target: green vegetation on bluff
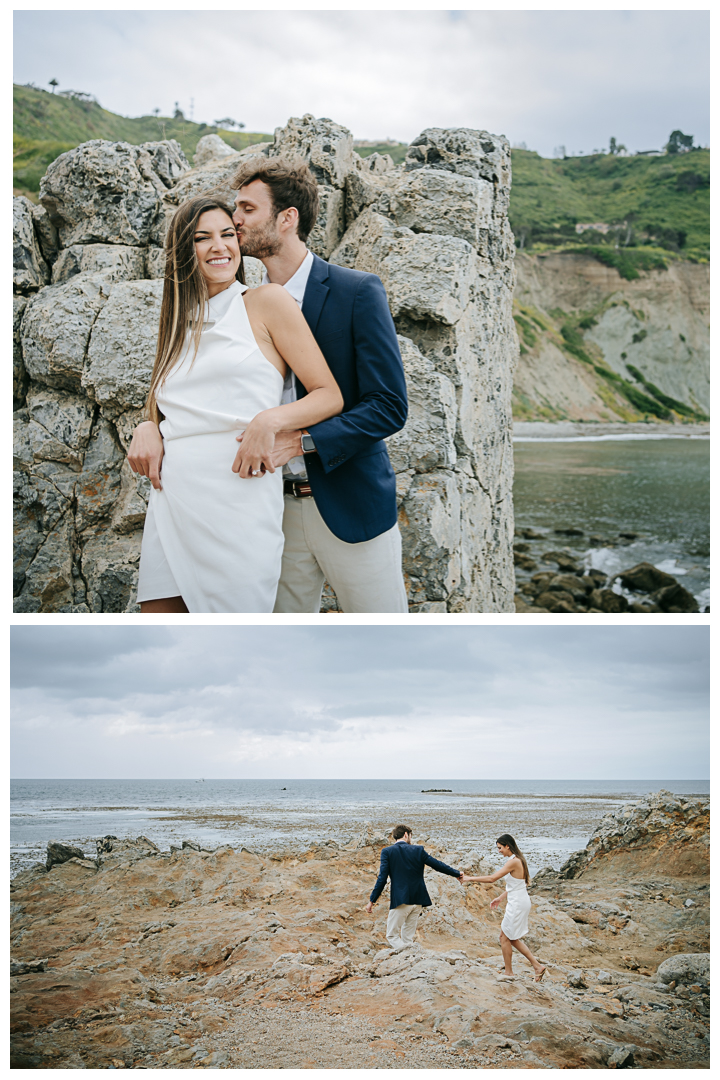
x,y
46,125
650,203
657,208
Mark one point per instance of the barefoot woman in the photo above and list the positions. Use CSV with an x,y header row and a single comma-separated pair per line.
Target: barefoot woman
x,y
514,926
213,533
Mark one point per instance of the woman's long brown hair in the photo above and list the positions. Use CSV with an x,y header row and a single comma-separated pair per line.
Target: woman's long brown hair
x,y
184,293
507,841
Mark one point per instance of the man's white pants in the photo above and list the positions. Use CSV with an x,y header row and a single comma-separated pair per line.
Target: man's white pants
x,y
402,924
366,577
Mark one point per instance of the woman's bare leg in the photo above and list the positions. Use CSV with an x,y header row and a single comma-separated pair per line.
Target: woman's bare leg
x,y
168,605
506,946
522,948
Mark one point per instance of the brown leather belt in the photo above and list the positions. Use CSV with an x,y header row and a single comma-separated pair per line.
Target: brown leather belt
x,y
299,489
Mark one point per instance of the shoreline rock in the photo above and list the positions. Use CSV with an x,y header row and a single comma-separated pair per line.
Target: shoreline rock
x,y
214,959
574,589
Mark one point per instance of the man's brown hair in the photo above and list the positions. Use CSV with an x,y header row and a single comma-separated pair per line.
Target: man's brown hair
x,y
291,184
399,831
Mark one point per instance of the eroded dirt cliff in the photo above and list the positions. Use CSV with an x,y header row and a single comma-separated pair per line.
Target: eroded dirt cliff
x,y
657,324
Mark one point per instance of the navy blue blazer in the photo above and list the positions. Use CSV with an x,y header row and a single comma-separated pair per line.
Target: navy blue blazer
x,y
405,865
351,476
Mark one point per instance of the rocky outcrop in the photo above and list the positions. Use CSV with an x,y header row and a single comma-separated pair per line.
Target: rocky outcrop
x,y
30,271
58,852
662,833
686,968
211,148
87,301
641,589
111,193
227,958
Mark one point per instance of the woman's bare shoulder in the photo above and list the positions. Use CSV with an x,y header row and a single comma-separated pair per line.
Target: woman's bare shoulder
x,y
270,295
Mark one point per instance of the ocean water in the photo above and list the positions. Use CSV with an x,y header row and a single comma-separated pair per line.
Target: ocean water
x,y
549,818
656,487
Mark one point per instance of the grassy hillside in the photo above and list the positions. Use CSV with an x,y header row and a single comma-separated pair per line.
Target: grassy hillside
x,y
396,150
45,125
653,202
657,207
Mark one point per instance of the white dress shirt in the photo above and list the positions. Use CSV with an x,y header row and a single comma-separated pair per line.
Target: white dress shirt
x,y
295,468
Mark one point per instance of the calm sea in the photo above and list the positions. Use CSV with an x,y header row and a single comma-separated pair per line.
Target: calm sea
x,y
658,488
549,818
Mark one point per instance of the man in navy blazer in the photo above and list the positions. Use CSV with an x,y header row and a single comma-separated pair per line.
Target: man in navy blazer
x,y
404,863
340,518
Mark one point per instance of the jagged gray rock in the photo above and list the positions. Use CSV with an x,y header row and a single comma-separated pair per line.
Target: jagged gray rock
x,y
60,852
168,160
214,176
118,367
27,967
20,376
211,148
119,261
434,230
30,271
46,233
56,329
107,193
672,819
686,968
445,203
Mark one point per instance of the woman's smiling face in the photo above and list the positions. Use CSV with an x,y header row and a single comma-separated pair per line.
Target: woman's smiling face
x,y
216,247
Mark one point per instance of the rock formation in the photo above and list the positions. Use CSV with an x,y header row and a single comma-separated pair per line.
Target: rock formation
x,y
658,323
132,957
87,292
661,833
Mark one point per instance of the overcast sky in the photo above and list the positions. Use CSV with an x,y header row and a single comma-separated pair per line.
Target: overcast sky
x,y
546,78
360,702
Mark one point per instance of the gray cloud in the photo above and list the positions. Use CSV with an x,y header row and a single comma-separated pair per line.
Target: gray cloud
x,y
543,77
334,700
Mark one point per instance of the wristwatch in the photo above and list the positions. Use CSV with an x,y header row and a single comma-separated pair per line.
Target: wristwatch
x,y
306,441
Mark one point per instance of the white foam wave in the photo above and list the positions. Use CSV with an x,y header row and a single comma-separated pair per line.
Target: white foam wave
x,y
670,566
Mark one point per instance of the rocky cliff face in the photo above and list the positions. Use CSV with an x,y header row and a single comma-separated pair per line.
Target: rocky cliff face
x,y
88,264
662,833
130,956
658,324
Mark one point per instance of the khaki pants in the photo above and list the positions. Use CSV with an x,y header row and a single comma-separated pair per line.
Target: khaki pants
x,y
366,577
402,924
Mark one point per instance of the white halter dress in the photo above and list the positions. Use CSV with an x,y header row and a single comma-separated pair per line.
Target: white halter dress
x,y
211,537
517,909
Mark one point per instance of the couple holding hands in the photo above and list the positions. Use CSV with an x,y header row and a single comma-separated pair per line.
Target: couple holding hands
x,y
404,863
267,414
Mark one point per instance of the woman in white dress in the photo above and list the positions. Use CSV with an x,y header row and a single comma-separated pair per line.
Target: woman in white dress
x,y
514,926
213,533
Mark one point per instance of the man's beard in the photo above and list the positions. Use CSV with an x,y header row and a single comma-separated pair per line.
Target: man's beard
x,y
261,243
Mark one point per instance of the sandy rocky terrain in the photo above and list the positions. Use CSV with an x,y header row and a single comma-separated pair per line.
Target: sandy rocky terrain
x,y
228,959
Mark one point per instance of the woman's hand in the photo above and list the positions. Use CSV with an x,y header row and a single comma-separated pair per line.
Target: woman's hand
x,y
254,456
146,452
496,902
